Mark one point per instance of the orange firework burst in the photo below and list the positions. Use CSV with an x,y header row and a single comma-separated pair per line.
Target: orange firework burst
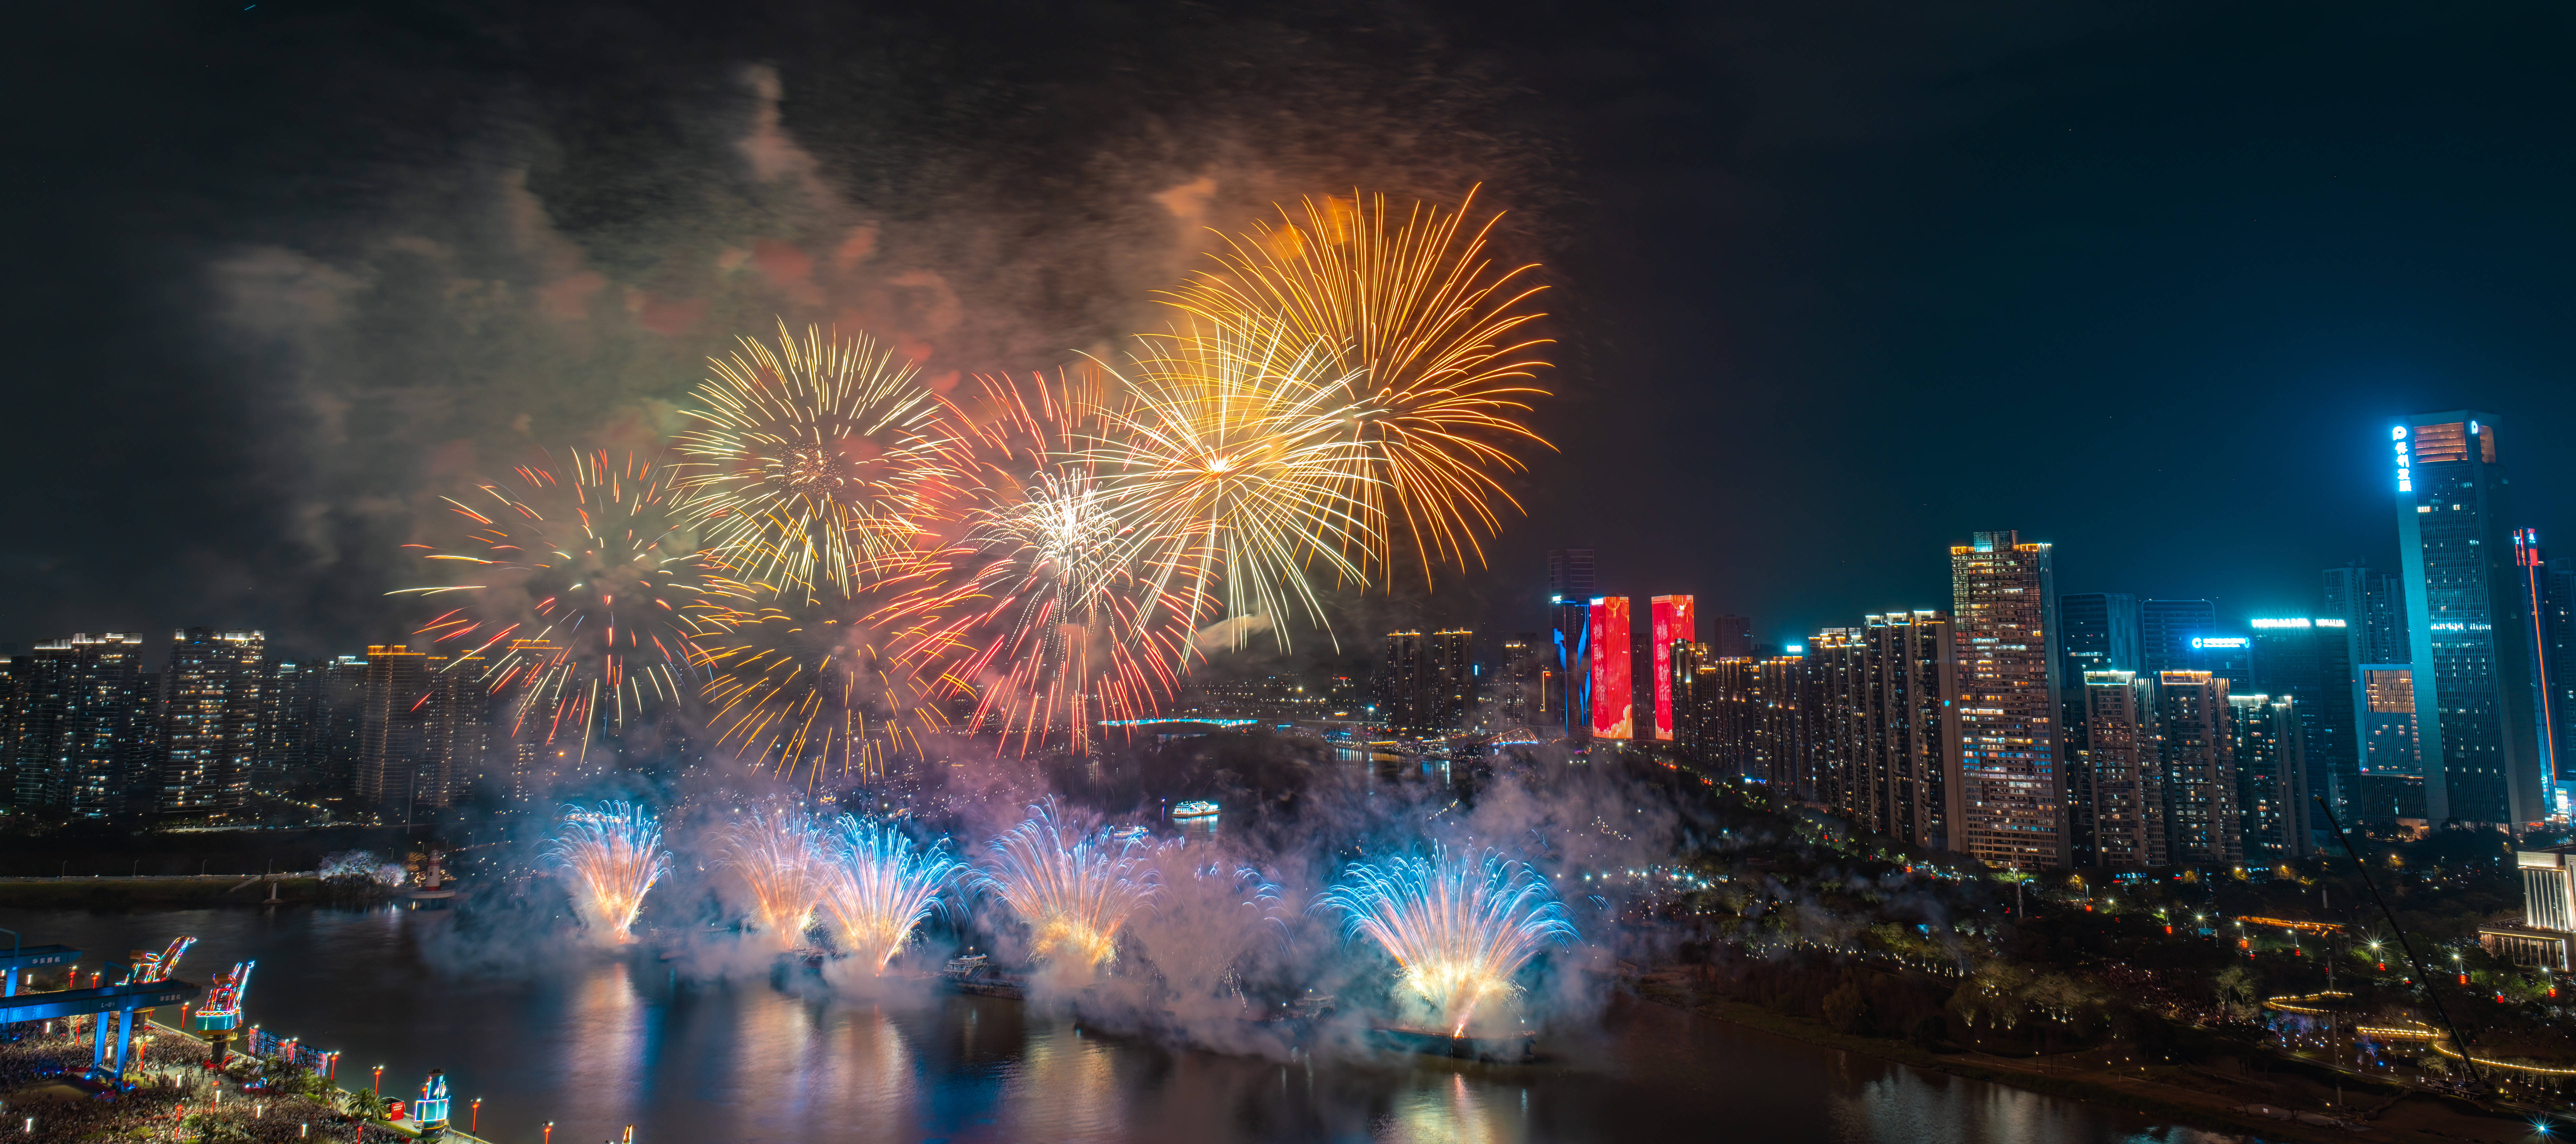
x,y
1230,459
837,684
1430,331
810,459
584,575
1067,623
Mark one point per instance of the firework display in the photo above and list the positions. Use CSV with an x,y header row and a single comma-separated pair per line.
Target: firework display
x,y
809,459
1069,623
880,885
1231,453
1074,888
778,855
1430,338
583,577
1460,925
842,563
826,685
612,854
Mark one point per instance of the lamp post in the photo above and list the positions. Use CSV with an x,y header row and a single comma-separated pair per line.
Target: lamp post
x,y
474,1118
376,1087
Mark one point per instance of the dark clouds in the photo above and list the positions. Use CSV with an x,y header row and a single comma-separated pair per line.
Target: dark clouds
x,y
1839,282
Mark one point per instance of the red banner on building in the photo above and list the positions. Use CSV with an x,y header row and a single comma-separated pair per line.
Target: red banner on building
x,y
1612,715
1672,622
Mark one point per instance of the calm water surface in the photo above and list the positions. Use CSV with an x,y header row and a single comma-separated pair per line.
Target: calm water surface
x,y
596,1045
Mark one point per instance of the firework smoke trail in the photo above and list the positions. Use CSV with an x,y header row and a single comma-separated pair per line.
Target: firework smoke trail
x,y
1230,457
585,577
1460,925
1068,625
811,457
827,685
880,887
613,852
1075,889
1430,333
780,855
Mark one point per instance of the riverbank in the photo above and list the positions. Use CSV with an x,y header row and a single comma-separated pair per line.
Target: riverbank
x,y
2213,1098
164,891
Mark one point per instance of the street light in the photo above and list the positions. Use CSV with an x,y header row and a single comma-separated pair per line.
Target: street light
x,y
377,1086
474,1121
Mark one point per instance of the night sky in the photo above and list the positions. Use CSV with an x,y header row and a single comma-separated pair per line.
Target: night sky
x,y
1834,284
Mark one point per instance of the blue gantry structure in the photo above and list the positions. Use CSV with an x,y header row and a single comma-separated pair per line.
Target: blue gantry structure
x,y
115,1005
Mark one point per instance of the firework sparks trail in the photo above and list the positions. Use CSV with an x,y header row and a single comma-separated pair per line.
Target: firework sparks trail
x,y
1460,925
1231,459
827,685
1068,626
613,852
585,575
1430,333
880,887
1074,888
811,459
779,854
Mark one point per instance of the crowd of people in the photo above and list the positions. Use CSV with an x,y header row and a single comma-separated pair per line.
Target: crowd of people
x,y
174,1095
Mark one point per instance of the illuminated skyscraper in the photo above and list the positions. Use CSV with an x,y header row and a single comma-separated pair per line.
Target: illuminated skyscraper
x,y
1613,701
2531,576
2102,632
2127,769
2473,667
2199,751
2372,605
85,743
1913,669
1517,689
1565,693
2008,802
2308,660
2389,790
1780,736
213,704
2271,792
394,748
1673,622
2558,610
1424,679
1842,747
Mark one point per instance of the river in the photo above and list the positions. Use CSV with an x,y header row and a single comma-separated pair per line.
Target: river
x,y
594,1046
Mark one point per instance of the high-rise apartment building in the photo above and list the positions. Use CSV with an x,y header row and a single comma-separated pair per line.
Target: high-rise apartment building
x,y
2474,690
2195,725
1901,786
2166,629
1842,722
292,727
2125,764
1779,733
2009,801
1424,679
2308,660
395,749
86,742
214,703
2271,788
1516,698
2389,789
